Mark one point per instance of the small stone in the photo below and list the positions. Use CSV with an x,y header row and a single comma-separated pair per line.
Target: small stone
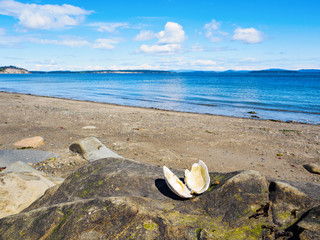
x,y
312,167
252,112
32,142
89,127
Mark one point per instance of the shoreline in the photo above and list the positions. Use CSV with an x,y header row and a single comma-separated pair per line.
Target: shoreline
x,y
160,137
177,111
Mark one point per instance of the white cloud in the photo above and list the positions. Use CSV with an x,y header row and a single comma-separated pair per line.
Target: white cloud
x,y
144,66
247,35
203,62
35,16
167,48
169,40
104,43
213,32
173,33
109,27
145,35
248,59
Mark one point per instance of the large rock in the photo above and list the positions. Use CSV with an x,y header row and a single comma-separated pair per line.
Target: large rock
x,y
92,149
21,185
121,199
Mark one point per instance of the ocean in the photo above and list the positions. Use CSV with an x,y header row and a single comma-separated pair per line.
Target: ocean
x,y
277,96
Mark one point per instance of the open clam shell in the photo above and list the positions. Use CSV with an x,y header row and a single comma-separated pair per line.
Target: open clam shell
x,y
198,179
175,184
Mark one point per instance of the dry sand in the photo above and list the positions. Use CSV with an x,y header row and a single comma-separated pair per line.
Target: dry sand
x,y
174,139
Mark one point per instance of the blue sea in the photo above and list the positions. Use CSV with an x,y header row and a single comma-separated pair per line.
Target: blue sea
x,y
276,96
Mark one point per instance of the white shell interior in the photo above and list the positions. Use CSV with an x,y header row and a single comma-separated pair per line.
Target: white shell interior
x,y
197,180
175,184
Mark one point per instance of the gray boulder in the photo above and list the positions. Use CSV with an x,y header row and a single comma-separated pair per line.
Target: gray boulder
x,y
92,149
116,198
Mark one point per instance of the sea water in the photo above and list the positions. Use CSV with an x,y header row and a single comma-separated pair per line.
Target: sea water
x,y
277,96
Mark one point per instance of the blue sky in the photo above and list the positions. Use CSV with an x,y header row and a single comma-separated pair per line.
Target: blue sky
x,y
163,34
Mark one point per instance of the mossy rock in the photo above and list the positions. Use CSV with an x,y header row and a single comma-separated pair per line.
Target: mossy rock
x,y
122,199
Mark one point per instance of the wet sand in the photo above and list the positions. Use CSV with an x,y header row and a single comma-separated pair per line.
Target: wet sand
x,y
174,139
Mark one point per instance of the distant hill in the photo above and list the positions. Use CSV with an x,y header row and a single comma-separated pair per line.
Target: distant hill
x,y
274,70
16,70
12,70
103,71
310,70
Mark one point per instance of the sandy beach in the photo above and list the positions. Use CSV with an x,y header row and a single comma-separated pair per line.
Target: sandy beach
x,y
157,137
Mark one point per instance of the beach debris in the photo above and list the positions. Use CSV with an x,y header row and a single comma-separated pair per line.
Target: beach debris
x,y
92,149
197,181
89,127
312,167
32,142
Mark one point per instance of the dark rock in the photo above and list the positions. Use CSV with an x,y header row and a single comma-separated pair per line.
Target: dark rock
x,y
311,221
121,199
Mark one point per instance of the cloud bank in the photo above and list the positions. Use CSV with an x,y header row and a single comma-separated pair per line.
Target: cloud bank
x,y
35,16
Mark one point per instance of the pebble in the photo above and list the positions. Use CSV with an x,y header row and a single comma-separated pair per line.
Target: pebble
x,y
89,127
312,167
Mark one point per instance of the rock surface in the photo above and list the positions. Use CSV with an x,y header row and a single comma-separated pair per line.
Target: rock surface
x,y
12,70
21,185
92,149
8,157
116,198
32,142
312,167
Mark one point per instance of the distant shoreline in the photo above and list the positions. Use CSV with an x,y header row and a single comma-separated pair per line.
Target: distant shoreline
x,y
17,70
